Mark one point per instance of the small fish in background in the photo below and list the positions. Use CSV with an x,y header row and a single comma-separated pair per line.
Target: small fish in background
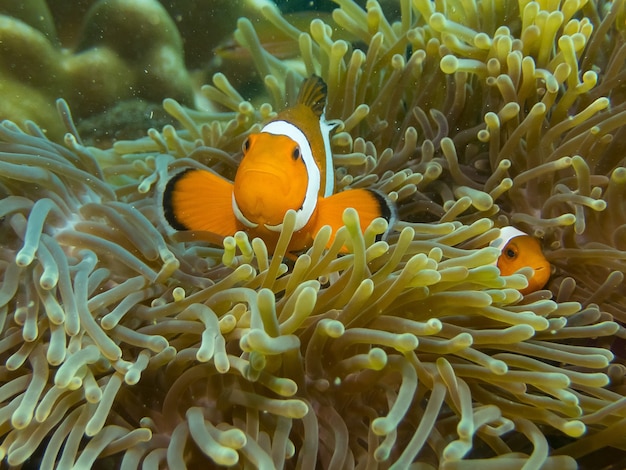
x,y
520,250
287,165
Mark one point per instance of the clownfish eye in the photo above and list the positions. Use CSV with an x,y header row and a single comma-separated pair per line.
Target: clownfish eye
x,y
510,253
245,146
296,153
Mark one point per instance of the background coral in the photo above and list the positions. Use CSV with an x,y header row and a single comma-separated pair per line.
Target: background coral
x,y
125,50
162,349
103,54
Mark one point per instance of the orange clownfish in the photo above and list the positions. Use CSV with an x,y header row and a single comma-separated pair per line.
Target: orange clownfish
x,y
520,250
287,165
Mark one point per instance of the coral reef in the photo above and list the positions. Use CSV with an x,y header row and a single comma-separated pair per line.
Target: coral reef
x,y
123,341
103,54
125,50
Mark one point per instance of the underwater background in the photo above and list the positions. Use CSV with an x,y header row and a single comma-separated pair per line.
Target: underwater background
x,y
125,344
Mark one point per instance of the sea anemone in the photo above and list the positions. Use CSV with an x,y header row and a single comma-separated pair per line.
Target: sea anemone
x,y
124,341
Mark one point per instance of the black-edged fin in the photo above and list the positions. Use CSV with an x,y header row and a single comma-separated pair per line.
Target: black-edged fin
x,y
197,199
387,211
168,206
369,203
313,93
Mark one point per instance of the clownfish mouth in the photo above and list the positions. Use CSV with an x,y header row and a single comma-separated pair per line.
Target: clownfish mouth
x,y
265,180
266,170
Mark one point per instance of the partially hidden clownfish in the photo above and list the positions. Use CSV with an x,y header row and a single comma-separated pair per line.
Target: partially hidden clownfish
x,y
287,165
520,250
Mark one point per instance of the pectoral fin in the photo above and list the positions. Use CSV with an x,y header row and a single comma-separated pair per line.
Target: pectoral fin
x,y
197,199
368,203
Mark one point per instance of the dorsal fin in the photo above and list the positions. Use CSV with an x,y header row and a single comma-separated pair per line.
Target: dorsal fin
x,y
313,94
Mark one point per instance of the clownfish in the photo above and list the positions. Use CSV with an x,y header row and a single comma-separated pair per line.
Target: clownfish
x,y
287,165
520,250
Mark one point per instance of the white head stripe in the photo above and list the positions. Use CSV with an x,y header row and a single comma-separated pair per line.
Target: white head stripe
x,y
303,214
239,215
506,235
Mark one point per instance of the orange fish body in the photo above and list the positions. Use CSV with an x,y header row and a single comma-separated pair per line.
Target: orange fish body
x,y
520,250
287,165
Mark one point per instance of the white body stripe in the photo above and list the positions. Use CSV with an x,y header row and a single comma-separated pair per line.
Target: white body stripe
x,y
303,215
325,128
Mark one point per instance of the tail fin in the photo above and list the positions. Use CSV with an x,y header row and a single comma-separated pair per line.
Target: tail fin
x,y
197,199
